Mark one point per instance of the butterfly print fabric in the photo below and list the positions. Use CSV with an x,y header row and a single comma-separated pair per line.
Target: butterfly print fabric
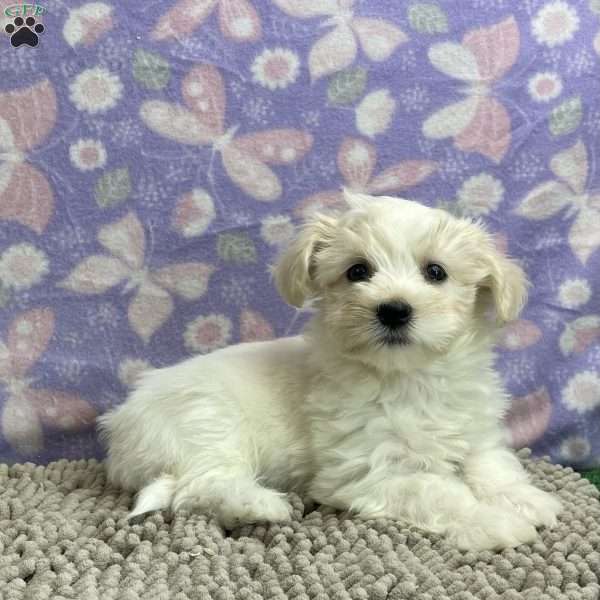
x,y
154,158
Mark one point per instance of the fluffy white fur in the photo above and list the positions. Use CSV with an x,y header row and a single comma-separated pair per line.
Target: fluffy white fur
x,y
409,430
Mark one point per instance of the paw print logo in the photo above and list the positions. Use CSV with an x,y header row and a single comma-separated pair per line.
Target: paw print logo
x,y
24,31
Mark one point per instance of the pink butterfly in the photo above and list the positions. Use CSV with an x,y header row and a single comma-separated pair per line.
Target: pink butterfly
x,y
569,190
27,116
479,123
238,19
356,161
337,49
201,122
152,304
26,409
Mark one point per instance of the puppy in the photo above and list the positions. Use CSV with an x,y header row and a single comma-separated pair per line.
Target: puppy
x,y
387,406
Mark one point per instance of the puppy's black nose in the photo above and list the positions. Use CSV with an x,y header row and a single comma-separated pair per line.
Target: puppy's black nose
x,y
394,315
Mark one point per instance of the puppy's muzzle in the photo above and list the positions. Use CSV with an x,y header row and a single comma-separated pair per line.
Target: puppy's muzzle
x,y
394,315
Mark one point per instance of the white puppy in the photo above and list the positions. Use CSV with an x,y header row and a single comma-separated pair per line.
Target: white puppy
x,y
388,405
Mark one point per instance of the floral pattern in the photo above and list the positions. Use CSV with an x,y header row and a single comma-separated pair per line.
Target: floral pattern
x,y
154,159
555,23
87,155
544,87
96,90
276,68
22,266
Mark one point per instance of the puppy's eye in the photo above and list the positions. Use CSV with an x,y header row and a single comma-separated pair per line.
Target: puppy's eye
x,y
358,272
435,273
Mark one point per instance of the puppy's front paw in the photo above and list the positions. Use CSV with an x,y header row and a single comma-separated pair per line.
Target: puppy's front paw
x,y
263,505
540,508
492,528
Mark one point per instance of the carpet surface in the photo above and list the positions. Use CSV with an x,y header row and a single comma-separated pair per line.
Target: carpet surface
x,y
62,535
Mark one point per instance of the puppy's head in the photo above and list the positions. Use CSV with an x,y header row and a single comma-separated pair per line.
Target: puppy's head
x,y
393,276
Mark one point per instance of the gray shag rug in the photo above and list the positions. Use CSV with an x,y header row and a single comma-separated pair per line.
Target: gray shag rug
x,y
63,535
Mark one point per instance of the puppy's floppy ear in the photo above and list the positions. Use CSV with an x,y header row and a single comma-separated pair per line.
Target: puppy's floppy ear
x,y
506,281
294,272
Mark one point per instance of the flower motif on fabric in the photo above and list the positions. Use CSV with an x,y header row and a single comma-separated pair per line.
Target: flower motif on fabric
x,y
574,293
95,90
555,23
27,116
22,266
275,69
28,409
543,87
207,333
152,304
338,48
568,192
582,392
238,20
478,123
480,195
87,154
356,161
201,122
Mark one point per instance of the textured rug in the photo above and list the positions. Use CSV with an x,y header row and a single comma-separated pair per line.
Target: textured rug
x,y
62,535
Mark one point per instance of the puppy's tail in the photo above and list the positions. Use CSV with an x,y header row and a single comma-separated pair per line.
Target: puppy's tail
x,y
155,496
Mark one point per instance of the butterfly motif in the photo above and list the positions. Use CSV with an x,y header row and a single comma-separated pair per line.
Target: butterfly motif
x,y
201,122
548,198
152,304
238,19
479,122
356,161
337,49
27,116
28,410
